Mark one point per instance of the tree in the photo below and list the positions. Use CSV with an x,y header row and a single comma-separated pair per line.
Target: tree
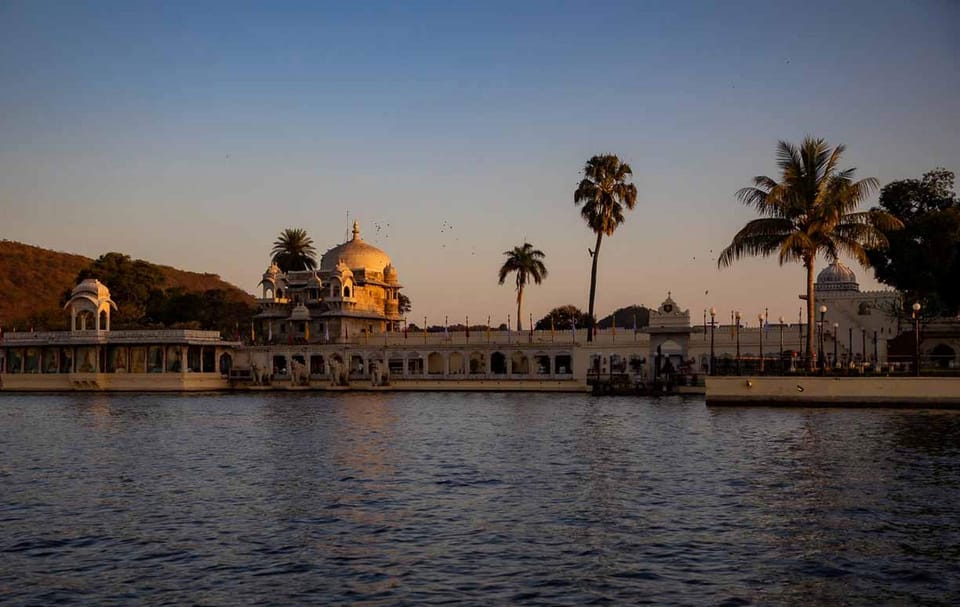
x,y
923,259
132,282
403,304
293,250
563,318
626,318
604,192
812,210
527,263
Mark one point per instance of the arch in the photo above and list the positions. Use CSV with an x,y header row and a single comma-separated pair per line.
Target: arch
x,y
226,363
414,364
478,363
542,363
563,364
103,321
671,348
456,364
358,365
82,320
519,363
943,356
498,363
317,365
346,291
435,363
864,308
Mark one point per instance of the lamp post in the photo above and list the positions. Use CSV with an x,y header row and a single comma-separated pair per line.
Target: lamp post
x,y
823,313
780,356
836,339
713,329
916,338
736,317
760,317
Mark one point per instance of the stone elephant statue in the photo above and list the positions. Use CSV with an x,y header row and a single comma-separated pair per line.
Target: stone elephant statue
x,y
298,373
376,375
260,370
337,372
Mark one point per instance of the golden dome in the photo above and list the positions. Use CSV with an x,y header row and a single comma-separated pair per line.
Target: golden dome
x,y
356,254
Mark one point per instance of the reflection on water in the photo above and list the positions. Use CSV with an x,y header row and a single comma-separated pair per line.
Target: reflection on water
x,y
482,499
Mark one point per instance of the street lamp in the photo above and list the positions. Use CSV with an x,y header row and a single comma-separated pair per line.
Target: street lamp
x,y
780,356
916,338
713,329
836,339
736,317
823,312
760,318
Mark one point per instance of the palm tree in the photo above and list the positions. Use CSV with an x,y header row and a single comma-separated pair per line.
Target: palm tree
x,y
604,192
526,262
293,250
811,211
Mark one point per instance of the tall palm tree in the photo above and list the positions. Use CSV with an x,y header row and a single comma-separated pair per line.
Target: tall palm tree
x,y
293,250
604,192
811,211
528,265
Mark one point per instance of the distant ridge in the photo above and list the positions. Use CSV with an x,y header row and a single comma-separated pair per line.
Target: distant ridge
x,y
33,281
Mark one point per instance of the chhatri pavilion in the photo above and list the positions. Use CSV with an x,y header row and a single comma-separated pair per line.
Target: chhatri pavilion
x,y
354,292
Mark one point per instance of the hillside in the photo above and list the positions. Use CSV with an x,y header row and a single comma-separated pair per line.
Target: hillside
x,y
33,281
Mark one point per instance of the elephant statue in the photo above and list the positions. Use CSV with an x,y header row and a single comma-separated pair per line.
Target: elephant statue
x,y
298,373
376,376
338,373
260,371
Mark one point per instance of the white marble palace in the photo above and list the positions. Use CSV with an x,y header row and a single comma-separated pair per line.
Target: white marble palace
x,y
354,293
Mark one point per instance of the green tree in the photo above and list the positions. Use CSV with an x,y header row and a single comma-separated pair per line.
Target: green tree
x,y
563,317
811,211
603,192
626,317
527,263
403,304
293,250
923,259
131,283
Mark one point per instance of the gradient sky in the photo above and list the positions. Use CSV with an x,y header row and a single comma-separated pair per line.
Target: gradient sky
x,y
191,134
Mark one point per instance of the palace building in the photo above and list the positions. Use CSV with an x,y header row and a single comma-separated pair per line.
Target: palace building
x,y
355,292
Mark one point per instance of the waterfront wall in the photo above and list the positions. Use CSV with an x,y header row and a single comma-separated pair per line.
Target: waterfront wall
x,y
839,391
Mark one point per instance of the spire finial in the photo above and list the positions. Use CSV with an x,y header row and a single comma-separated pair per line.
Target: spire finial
x,y
356,229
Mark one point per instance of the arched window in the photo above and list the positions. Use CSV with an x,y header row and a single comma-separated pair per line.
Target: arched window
x,y
346,291
498,363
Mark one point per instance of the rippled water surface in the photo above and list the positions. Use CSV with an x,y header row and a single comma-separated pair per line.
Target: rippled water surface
x,y
484,499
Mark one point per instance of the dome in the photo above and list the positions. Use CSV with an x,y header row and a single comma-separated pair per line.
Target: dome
x,y
837,277
355,254
91,286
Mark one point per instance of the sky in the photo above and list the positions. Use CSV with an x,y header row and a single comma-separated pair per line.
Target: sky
x,y
191,134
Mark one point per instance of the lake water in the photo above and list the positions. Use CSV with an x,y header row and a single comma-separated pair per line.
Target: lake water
x,y
472,499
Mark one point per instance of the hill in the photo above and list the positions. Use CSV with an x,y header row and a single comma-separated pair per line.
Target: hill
x,y
33,282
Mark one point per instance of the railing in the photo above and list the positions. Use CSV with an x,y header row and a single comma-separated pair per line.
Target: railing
x,y
81,337
895,366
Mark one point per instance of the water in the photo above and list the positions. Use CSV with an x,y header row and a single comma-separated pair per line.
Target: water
x,y
472,499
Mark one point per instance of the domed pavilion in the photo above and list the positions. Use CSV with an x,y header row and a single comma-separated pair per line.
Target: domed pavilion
x,y
354,292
